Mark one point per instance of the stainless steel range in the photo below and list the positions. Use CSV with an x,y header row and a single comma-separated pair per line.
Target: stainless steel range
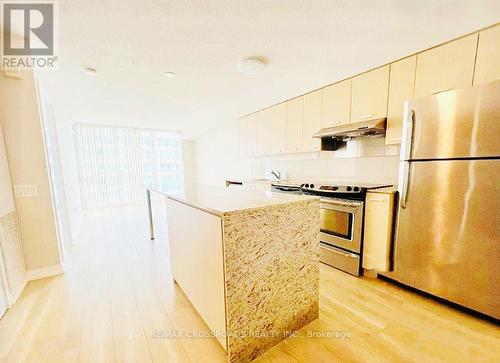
x,y
341,220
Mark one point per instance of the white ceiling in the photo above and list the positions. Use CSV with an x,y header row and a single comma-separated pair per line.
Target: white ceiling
x,y
307,44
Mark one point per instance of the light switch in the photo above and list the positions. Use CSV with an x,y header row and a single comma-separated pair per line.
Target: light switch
x,y
24,191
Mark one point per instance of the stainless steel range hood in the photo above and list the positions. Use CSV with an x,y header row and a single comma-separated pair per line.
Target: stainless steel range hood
x,y
374,127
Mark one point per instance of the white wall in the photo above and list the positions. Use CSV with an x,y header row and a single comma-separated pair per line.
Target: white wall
x,y
20,119
70,172
189,160
218,158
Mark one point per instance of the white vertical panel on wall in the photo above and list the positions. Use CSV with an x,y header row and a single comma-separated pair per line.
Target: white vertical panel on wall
x,y
10,237
12,252
6,197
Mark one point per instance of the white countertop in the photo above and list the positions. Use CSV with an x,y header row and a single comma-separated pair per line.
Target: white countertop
x,y
220,200
316,180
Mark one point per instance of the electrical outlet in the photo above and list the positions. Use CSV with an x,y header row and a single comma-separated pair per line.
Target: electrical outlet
x,y
24,191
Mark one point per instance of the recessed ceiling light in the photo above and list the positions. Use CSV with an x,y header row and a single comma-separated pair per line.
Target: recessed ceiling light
x,y
90,71
169,74
251,66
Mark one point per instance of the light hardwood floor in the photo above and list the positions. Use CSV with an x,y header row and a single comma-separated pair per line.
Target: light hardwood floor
x,y
117,292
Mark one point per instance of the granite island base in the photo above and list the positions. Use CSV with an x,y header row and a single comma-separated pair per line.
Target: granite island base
x,y
248,262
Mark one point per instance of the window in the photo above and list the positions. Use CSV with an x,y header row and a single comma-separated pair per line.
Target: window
x,y
116,164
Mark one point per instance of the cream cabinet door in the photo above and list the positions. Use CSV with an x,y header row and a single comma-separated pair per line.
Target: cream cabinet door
x,y
277,128
294,114
336,104
197,261
242,135
369,95
378,234
488,56
311,121
262,120
449,66
401,86
249,135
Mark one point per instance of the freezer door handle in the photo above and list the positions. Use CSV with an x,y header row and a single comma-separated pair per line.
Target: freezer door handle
x,y
409,128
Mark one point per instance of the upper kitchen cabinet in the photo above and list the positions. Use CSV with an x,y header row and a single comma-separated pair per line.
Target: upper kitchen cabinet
x,y
449,66
262,120
294,113
277,129
401,86
311,121
336,104
488,56
248,135
369,95
242,129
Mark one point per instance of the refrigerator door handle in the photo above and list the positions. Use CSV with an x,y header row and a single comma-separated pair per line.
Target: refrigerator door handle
x,y
406,150
405,183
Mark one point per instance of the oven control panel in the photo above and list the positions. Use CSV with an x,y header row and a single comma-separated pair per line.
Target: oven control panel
x,y
311,187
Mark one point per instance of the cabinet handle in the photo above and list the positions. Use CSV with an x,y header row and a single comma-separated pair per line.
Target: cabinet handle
x,y
367,116
441,90
376,200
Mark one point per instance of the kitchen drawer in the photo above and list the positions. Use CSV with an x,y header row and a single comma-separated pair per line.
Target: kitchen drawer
x,y
338,258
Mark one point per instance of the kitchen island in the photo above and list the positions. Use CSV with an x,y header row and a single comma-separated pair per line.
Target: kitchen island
x,y
248,262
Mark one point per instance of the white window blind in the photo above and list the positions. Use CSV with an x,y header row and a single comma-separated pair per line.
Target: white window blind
x,y
116,164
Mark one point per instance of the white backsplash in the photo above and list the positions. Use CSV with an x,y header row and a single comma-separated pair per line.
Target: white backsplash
x,y
218,157
363,160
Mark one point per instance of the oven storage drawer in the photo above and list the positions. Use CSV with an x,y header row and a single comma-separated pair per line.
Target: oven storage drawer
x,y
343,260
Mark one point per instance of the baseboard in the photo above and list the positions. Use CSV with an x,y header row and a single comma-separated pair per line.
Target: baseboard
x,y
31,275
41,273
14,296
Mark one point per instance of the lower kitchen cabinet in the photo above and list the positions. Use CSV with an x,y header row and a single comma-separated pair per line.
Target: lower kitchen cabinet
x,y
198,250
378,231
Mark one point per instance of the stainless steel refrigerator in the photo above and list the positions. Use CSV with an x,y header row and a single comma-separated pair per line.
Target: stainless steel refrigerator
x,y
447,241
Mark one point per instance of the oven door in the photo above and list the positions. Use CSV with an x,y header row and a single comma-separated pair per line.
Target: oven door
x,y
341,223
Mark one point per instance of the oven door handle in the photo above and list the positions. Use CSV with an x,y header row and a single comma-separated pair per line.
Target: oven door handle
x,y
345,203
287,189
